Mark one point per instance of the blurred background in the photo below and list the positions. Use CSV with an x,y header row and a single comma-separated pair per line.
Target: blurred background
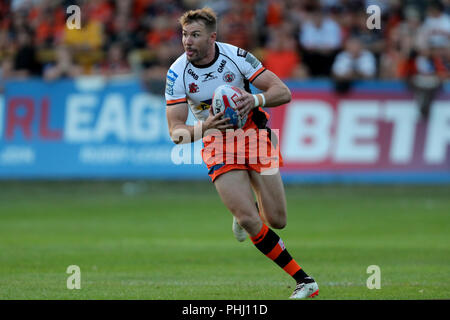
x,y
369,103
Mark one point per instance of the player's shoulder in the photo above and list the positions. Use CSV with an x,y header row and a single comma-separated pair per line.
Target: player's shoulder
x,y
242,58
178,65
231,51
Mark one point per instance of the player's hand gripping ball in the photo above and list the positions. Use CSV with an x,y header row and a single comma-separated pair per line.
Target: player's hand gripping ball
x,y
224,99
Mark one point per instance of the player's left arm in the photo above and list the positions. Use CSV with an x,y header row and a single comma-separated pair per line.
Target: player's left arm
x,y
275,93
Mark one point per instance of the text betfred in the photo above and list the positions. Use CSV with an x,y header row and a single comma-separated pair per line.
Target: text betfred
x,y
357,132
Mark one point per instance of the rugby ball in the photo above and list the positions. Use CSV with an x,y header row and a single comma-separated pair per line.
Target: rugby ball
x,y
224,99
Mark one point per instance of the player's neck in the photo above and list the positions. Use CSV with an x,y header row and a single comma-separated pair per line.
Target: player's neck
x,y
211,57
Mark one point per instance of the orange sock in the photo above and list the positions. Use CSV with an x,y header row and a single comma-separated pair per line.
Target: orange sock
x,y
269,243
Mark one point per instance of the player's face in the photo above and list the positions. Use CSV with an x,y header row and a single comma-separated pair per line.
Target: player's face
x,y
196,41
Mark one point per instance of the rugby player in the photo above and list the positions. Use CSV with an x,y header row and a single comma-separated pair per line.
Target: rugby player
x,y
191,81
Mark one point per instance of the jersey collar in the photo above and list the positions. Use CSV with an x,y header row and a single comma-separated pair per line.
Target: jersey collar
x,y
216,56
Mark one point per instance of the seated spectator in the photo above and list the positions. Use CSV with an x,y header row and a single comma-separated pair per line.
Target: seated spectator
x,y
49,25
399,43
100,10
236,26
25,62
281,56
436,26
354,63
115,63
320,38
371,39
154,75
161,32
86,42
123,29
63,67
6,67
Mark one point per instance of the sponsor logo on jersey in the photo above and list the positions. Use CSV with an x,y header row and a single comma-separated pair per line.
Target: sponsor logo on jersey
x,y
204,105
241,52
209,76
252,60
193,88
193,74
222,65
170,81
228,76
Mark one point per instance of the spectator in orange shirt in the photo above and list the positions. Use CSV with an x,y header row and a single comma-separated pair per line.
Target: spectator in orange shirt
x,y
281,56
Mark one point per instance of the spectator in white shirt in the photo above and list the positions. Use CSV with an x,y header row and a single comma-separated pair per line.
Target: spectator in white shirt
x,y
436,27
354,63
320,39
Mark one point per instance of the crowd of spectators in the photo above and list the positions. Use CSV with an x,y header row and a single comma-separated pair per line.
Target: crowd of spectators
x,y
294,38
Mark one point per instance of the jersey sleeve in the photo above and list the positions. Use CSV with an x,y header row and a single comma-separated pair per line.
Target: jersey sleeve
x,y
249,65
175,92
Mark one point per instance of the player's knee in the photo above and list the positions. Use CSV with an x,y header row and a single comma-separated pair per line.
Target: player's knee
x,y
278,222
247,221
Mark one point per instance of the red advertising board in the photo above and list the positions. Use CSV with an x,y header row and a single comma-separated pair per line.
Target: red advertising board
x,y
321,131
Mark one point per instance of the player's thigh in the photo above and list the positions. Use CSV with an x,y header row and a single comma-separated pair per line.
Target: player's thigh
x,y
235,190
271,197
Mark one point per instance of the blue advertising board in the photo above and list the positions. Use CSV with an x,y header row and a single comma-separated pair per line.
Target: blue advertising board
x,y
89,128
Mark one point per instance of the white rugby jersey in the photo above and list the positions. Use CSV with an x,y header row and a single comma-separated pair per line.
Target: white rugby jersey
x,y
195,85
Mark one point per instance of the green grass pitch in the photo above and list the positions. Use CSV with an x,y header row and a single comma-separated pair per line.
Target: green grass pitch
x,y
174,241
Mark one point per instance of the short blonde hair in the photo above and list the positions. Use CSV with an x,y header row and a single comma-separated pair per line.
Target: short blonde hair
x,y
206,15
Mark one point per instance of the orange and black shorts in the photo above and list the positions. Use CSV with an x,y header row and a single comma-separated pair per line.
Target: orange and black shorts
x,y
249,148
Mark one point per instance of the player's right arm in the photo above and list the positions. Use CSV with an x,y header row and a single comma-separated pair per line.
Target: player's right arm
x,y
180,132
177,112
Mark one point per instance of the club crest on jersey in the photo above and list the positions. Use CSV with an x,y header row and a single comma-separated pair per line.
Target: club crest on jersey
x,y
193,88
228,76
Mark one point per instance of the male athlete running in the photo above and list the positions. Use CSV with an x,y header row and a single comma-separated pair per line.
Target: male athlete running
x,y
191,81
